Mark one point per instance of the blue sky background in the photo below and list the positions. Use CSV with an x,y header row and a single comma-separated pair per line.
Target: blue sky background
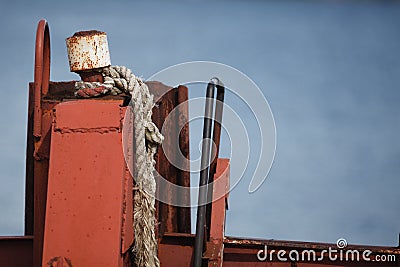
x,y
329,69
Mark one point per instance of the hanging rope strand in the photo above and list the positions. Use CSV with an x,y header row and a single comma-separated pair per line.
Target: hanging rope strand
x,y
118,79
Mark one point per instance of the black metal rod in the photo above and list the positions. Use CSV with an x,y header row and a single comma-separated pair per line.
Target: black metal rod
x,y
204,172
219,107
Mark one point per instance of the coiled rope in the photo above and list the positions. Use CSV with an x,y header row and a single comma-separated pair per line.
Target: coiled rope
x,y
118,79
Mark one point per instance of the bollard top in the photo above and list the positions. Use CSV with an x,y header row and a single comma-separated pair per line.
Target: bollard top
x,y
88,33
88,50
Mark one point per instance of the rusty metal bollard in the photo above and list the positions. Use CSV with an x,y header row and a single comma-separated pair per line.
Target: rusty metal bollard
x,y
87,52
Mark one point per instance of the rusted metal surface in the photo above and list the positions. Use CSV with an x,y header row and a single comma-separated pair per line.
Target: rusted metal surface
x,y
171,219
167,215
88,50
91,76
16,251
88,33
63,91
184,224
176,249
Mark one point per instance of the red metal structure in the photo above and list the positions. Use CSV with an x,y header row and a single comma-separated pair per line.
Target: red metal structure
x,y
79,191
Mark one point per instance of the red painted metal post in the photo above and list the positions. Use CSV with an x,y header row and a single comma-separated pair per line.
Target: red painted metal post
x,y
86,194
215,245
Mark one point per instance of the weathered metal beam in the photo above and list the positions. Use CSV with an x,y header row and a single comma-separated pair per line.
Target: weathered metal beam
x,y
172,219
184,220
